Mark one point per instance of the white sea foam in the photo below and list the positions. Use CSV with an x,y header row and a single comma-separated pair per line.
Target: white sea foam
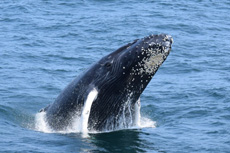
x,y
42,126
147,123
41,123
137,115
80,122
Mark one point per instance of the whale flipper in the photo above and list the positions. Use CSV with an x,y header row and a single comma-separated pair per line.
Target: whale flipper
x,y
92,95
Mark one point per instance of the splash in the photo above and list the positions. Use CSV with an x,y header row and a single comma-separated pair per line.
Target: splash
x,y
80,122
128,118
41,123
137,108
147,123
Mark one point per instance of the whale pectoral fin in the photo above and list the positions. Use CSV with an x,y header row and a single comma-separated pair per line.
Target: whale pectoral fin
x,y
44,109
91,96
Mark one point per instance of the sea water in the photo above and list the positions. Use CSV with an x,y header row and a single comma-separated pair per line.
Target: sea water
x,y
45,44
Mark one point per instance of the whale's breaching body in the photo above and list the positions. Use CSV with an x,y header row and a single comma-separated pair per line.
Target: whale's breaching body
x,y
107,96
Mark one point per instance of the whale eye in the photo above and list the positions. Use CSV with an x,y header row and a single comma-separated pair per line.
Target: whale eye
x,y
108,64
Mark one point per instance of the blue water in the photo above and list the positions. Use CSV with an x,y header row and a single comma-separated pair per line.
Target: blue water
x,y
44,44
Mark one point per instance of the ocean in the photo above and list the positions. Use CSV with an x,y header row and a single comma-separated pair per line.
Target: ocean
x,y
44,44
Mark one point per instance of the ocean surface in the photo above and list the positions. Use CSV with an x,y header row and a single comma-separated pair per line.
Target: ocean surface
x,y
44,44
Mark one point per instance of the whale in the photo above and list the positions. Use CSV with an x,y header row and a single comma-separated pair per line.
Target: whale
x,y
106,96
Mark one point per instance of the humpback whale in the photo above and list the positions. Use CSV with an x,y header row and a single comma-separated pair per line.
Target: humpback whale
x,y
107,95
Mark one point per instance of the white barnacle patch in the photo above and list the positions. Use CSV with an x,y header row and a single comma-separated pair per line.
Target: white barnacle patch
x,y
86,110
152,62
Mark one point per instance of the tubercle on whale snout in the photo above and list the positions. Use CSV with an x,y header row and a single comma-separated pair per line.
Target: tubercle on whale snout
x,y
162,40
153,45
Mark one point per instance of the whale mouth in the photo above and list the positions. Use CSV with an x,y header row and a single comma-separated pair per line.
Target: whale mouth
x,y
168,38
161,40
168,41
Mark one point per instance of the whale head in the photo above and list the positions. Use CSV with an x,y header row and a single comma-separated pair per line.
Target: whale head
x,y
133,65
